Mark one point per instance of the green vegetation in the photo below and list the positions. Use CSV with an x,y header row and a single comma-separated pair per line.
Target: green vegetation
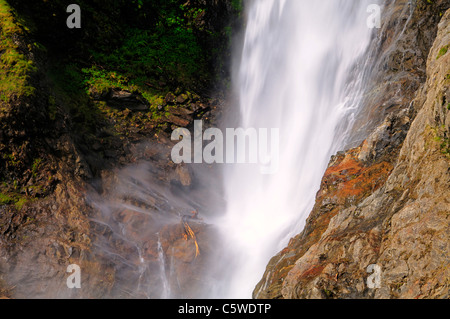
x,y
442,51
15,68
153,46
147,47
16,199
237,5
158,57
11,159
5,199
100,80
444,145
440,135
169,55
36,165
68,91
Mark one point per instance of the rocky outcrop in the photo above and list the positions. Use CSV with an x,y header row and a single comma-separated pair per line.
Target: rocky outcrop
x,y
380,206
396,67
60,157
143,228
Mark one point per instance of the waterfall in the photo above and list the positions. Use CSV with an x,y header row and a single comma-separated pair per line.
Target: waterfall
x,y
301,71
162,268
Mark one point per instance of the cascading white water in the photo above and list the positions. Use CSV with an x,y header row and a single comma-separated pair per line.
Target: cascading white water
x,y
162,268
301,71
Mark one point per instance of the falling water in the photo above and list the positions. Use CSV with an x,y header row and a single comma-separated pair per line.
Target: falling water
x,y
162,268
301,71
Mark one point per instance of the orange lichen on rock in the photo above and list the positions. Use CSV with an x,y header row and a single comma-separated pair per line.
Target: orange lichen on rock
x,y
312,272
349,179
346,181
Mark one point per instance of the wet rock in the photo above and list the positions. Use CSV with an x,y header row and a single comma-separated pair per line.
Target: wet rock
x,y
126,100
401,224
183,175
182,112
347,181
398,60
178,121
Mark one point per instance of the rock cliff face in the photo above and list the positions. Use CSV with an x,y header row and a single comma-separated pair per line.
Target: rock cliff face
x,y
396,67
383,206
61,159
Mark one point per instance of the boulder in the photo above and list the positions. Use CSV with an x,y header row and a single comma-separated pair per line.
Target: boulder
x,y
182,98
170,99
178,121
126,100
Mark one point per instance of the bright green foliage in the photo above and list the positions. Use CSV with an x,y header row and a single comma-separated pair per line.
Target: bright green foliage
x,y
15,68
237,5
102,80
16,199
5,199
148,46
166,52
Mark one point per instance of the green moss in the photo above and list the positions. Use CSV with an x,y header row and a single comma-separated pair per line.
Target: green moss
x,y
5,199
20,202
15,68
12,159
155,57
442,51
36,165
68,93
445,146
99,80
439,135
13,199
